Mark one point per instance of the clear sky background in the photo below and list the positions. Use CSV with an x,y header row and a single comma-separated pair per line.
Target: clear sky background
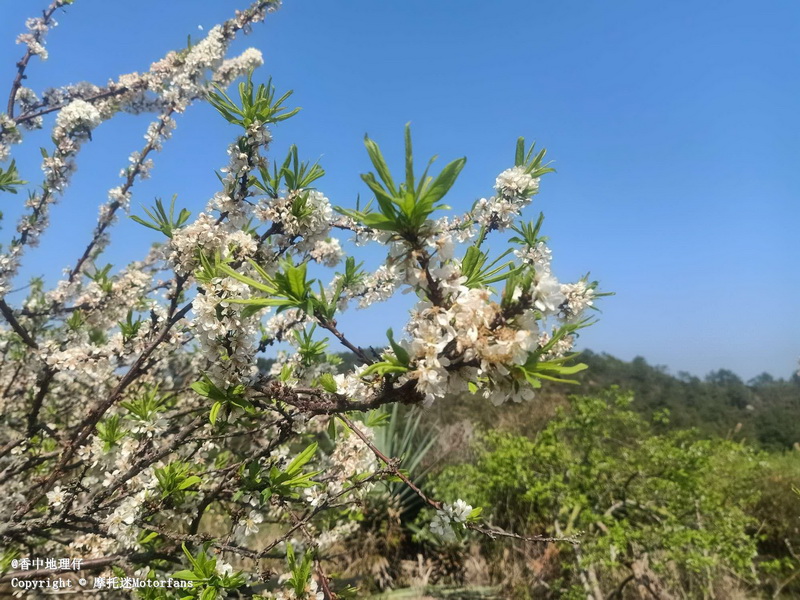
x,y
674,126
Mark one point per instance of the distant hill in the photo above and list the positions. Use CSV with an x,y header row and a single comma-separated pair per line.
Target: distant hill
x,y
764,410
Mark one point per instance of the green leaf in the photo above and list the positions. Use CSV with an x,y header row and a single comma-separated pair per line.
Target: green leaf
x,y
379,221
268,287
214,412
399,351
189,482
378,418
473,260
383,197
519,156
384,368
296,276
9,179
301,459
380,165
409,161
189,556
148,538
444,181
252,309
201,387
328,383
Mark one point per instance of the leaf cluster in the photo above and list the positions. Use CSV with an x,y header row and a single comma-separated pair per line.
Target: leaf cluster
x,y
300,571
9,178
533,164
208,583
161,220
403,209
175,479
256,104
111,431
148,404
284,483
292,173
230,398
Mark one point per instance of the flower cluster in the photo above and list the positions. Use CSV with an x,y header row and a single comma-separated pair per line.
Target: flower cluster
x,y
224,335
577,298
468,342
350,458
78,118
378,286
37,30
9,134
514,187
305,214
449,517
327,252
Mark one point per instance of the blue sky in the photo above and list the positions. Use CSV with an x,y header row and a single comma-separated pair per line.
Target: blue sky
x,y
674,127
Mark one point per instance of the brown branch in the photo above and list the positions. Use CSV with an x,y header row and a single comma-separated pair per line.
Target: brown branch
x,y
391,463
331,326
314,401
5,309
10,446
617,594
38,400
495,532
23,63
434,291
129,180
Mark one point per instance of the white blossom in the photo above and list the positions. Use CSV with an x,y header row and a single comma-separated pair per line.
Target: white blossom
x,y
250,522
56,496
449,517
77,116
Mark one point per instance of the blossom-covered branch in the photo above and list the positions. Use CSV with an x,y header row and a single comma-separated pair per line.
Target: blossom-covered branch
x,y
143,432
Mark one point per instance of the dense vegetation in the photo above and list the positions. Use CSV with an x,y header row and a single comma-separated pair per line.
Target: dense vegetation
x,y
675,487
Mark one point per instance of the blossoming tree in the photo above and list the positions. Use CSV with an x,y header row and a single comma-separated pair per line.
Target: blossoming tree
x,y
136,431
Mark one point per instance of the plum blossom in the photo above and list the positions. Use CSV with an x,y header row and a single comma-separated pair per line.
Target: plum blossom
x,y
516,182
327,252
514,188
468,328
56,496
251,521
449,518
77,117
577,298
